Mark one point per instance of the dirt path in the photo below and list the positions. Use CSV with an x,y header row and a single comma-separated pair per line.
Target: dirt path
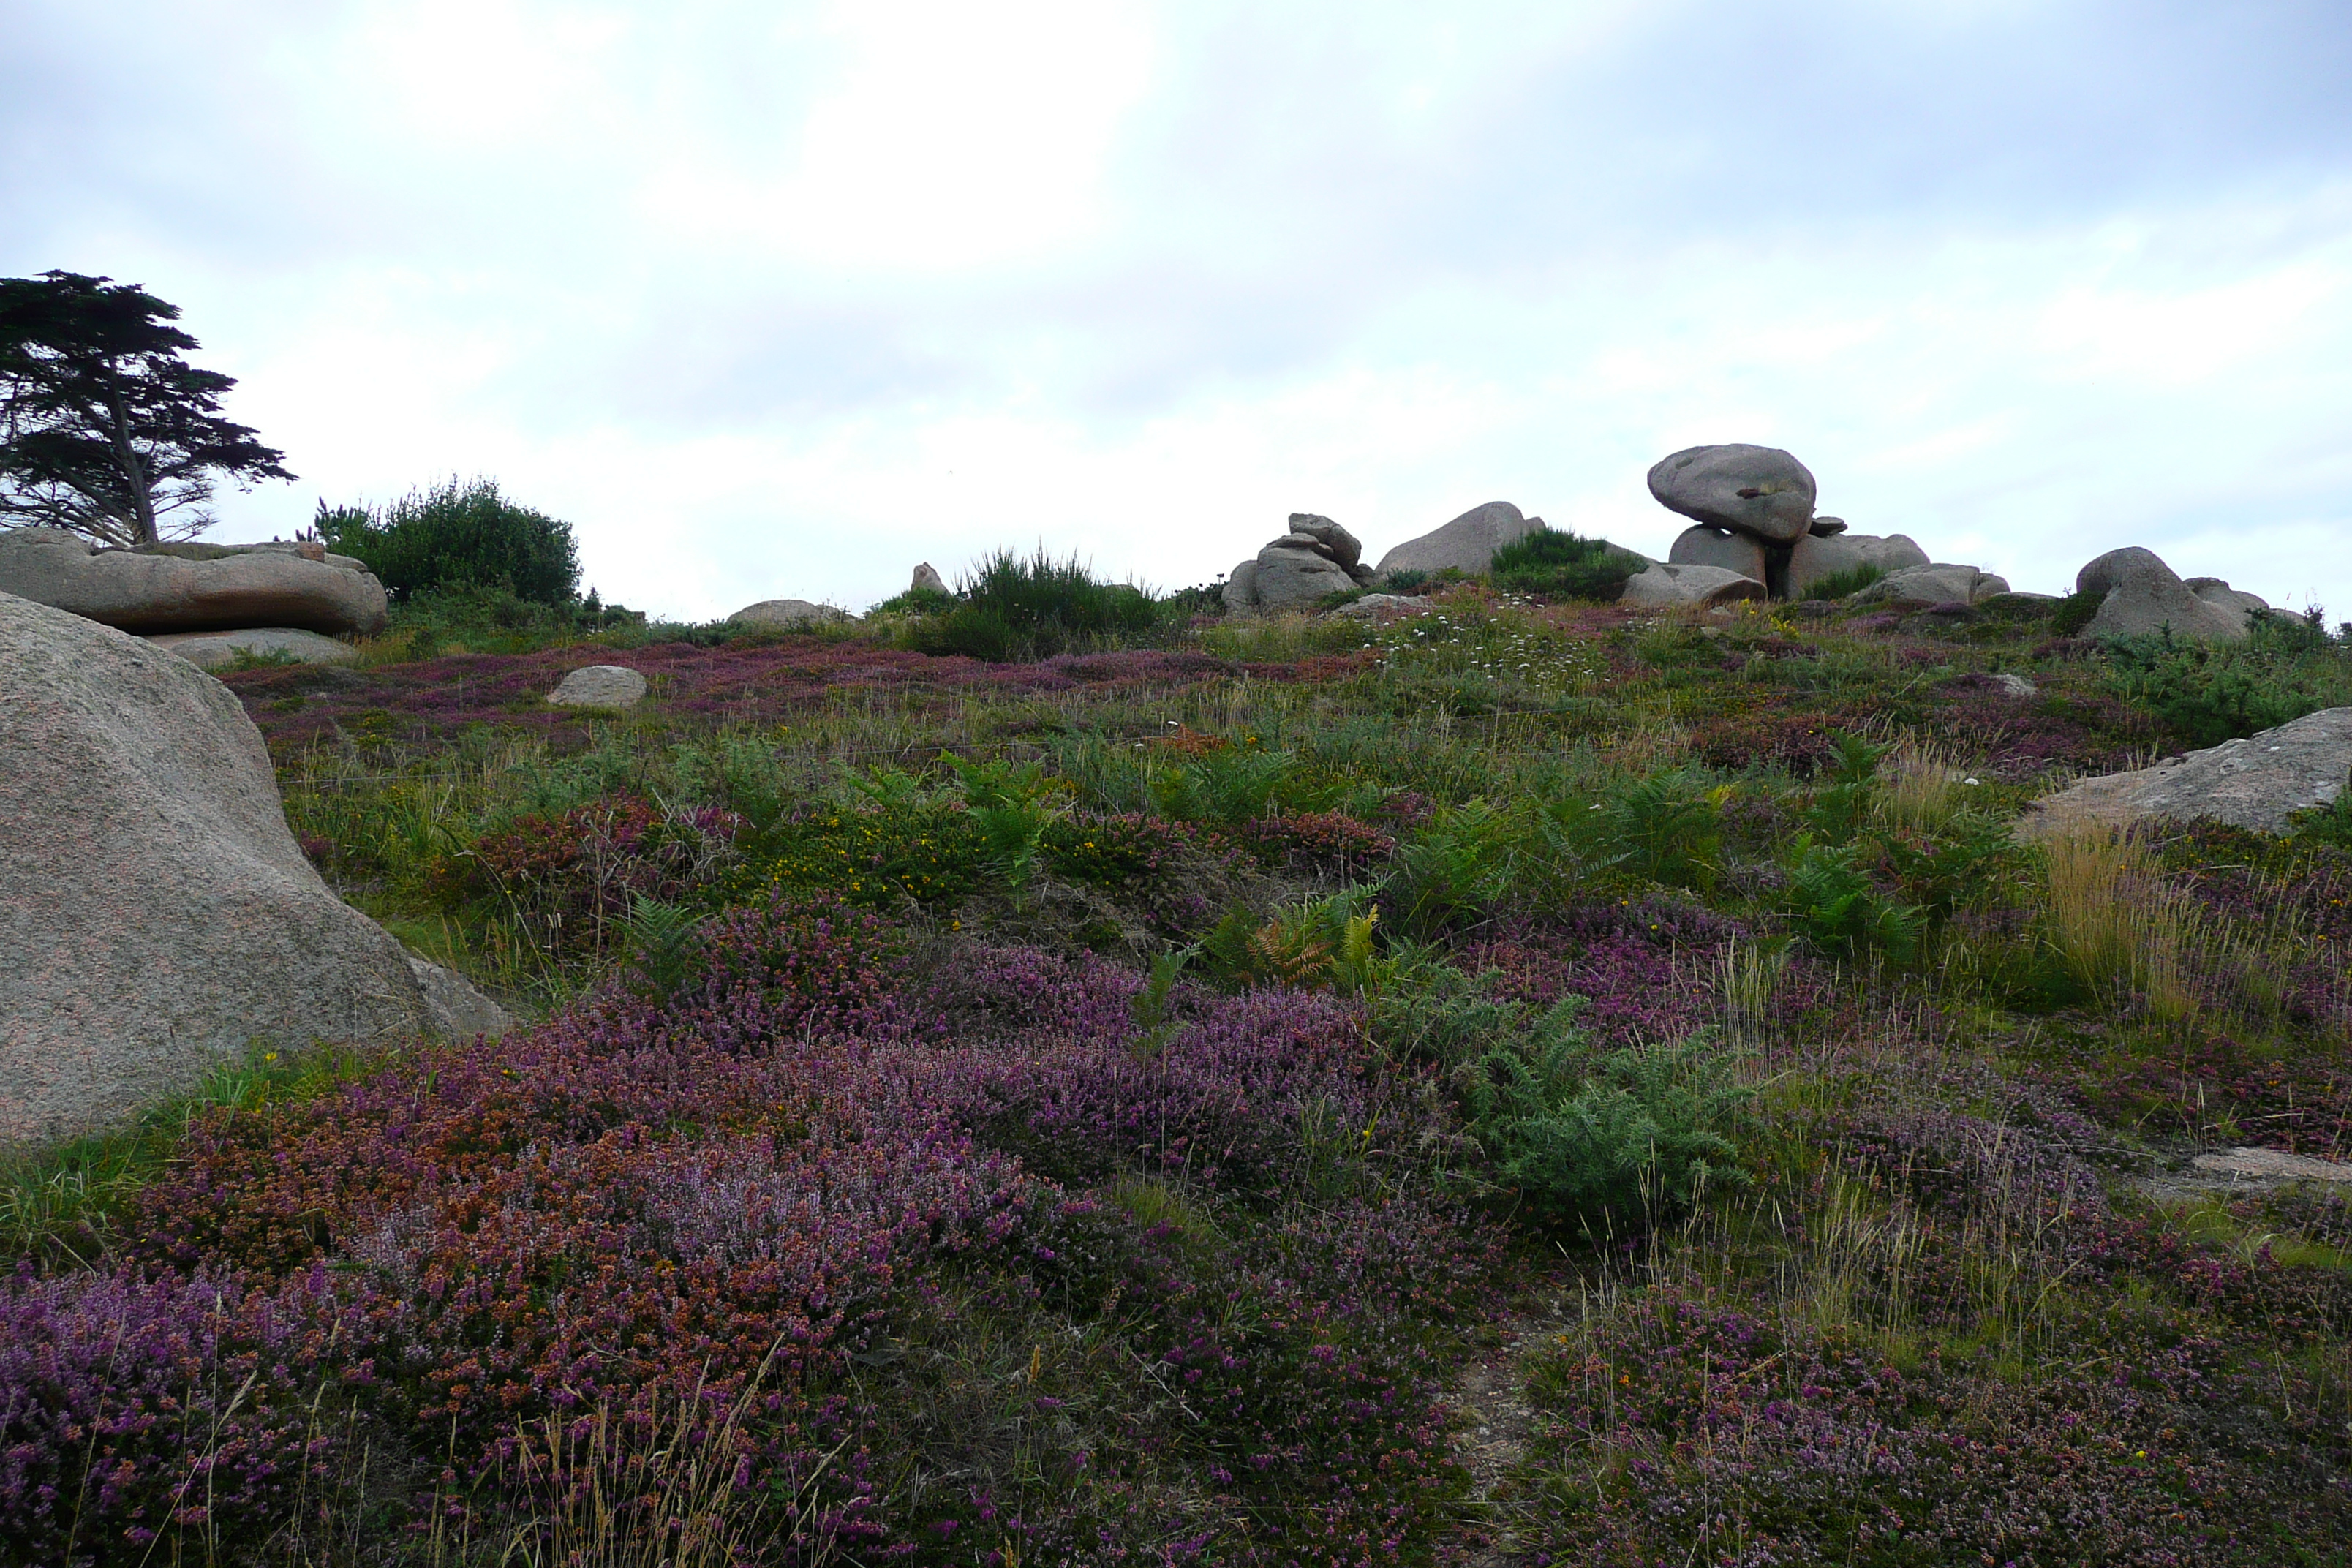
x,y
1496,1424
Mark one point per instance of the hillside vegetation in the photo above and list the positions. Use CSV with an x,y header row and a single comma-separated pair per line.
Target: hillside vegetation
x,y
1526,1082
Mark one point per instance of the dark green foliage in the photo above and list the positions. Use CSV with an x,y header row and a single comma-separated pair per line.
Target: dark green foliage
x,y
2211,692
1834,905
458,534
2073,612
104,428
1668,827
1012,804
495,619
1601,1140
1226,788
916,602
1853,580
1563,565
1958,865
662,948
1013,608
2330,824
1851,775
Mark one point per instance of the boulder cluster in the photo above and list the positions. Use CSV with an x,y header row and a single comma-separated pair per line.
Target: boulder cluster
x,y
206,603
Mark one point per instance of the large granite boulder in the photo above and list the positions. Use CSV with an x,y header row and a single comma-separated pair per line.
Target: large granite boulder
x,y
2143,597
2256,783
1466,544
927,579
791,614
1294,572
1700,545
162,589
1939,582
1758,491
1666,585
155,911
1818,557
218,650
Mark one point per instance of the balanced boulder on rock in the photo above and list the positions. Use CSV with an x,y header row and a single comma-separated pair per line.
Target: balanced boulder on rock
x,y
161,590
1315,558
1466,544
157,914
1762,491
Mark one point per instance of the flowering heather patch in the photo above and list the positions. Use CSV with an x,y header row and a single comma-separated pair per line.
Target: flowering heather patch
x,y
430,702
1688,1428
1638,964
571,876
1970,715
1330,842
136,1409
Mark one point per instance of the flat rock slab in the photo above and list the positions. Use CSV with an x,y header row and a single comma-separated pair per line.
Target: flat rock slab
x,y
1666,585
220,650
141,590
2256,783
2271,1166
608,685
157,914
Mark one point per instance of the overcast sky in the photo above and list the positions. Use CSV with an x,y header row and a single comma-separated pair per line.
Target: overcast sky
x,y
772,300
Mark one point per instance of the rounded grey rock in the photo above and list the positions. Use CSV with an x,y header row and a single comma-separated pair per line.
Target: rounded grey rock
x,y
1468,544
610,686
161,590
1666,585
1759,491
1703,546
218,650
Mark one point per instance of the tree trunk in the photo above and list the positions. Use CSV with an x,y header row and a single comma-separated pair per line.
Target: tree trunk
x,y
134,472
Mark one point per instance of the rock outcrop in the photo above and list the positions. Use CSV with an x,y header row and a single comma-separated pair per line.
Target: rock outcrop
x,y
609,686
156,914
791,614
1315,558
1466,544
2141,595
927,580
218,650
1820,556
161,589
1762,491
1668,584
2256,783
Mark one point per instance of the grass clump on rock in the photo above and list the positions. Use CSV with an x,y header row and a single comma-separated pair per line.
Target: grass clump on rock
x,y
1563,565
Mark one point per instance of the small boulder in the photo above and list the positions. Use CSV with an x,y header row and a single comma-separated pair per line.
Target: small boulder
x,y
928,579
1668,584
1758,491
791,614
1939,582
1700,545
608,685
1375,607
218,650
2256,783
2103,573
157,914
1466,544
1823,527
1818,557
1241,586
1292,573
159,590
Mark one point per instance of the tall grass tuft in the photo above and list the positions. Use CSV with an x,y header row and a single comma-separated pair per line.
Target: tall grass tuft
x,y
1034,608
2120,929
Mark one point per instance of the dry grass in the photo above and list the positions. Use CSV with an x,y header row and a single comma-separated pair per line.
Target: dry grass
x,y
2117,924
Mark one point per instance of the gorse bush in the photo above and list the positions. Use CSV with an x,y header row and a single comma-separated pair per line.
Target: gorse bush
x,y
2211,692
458,534
1563,565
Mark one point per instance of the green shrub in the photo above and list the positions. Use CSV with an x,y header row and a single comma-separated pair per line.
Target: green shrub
x,y
1599,1139
1012,608
458,534
1834,905
1563,565
2073,612
1012,804
2212,692
1851,777
1668,828
1853,580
